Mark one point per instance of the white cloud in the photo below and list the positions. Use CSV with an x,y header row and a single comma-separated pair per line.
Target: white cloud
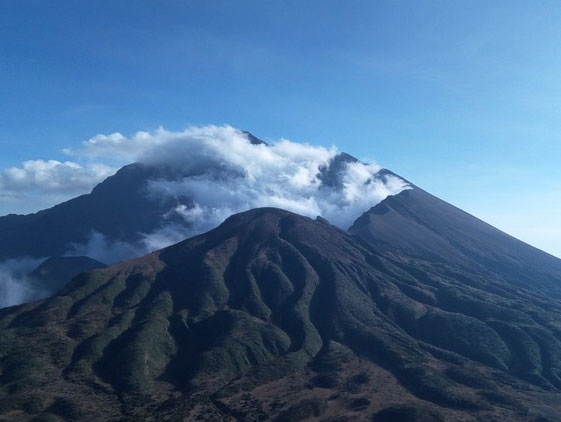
x,y
15,285
219,143
210,173
52,175
47,182
223,173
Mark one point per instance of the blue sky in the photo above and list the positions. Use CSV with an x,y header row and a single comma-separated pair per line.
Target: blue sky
x,y
463,98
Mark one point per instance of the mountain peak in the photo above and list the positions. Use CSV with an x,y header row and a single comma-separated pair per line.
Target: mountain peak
x,y
253,139
258,216
420,225
55,272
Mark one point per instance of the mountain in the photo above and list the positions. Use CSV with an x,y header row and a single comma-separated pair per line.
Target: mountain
x,y
119,208
417,224
54,273
275,316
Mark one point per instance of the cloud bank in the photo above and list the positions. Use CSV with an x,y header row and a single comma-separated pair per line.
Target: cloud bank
x,y
218,168
41,182
208,173
222,172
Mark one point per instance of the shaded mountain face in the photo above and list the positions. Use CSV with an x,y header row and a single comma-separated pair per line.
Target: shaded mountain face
x,y
274,316
418,225
56,272
118,208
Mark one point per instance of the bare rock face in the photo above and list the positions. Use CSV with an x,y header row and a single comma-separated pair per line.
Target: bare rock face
x,y
274,316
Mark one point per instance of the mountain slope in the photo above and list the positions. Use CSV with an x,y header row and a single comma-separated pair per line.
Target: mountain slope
x,y
274,316
417,224
55,272
119,208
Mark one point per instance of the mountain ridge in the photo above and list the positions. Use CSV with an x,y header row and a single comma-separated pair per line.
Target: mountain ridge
x,y
269,315
419,224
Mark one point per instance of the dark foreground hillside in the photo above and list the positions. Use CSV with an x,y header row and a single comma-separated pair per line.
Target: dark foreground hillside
x,y
274,316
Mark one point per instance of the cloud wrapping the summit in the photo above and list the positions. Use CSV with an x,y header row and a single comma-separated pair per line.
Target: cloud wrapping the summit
x,y
219,143
222,173
207,174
